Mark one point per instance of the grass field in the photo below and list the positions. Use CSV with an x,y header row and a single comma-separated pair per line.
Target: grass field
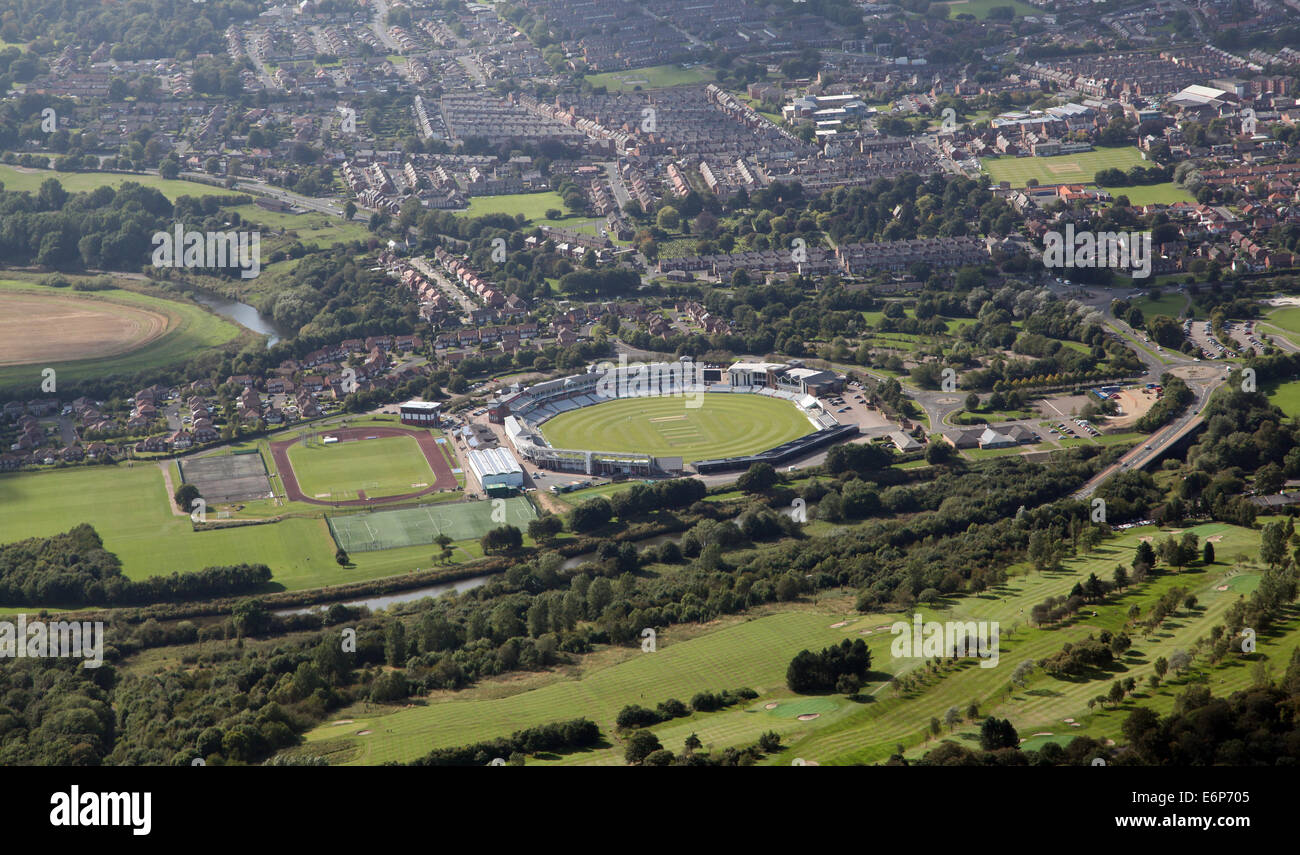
x,y
1286,319
654,77
365,532
725,426
1153,194
754,650
1065,169
980,8
1168,304
532,205
388,466
1285,396
130,509
190,330
313,228
22,178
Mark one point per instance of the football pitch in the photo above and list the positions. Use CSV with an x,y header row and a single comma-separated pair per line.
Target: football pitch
x,y
366,532
1064,169
386,466
725,425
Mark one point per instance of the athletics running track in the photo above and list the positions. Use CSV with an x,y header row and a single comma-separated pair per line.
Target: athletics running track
x,y
442,477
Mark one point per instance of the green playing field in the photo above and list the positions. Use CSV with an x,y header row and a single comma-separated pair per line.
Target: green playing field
x,y
365,532
1077,168
387,466
725,425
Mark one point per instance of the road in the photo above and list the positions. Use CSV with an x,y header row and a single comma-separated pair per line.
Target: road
x,y
435,275
616,183
1159,442
380,28
326,205
1202,378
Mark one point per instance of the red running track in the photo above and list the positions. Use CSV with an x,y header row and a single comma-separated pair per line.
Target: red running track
x,y
442,476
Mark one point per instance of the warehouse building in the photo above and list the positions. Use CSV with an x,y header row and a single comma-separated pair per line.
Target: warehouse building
x,y
496,469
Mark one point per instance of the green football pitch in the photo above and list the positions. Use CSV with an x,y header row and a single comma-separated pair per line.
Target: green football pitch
x,y
387,466
365,532
725,425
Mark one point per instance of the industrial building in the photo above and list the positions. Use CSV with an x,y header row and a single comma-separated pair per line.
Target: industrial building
x,y
496,469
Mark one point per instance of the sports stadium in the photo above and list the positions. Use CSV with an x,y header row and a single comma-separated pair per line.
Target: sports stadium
x,y
714,418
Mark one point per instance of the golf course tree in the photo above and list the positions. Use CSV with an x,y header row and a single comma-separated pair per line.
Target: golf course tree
x,y
998,733
821,672
1145,555
640,745
341,557
1179,552
1272,545
557,736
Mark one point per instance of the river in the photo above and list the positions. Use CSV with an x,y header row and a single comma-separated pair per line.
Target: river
x,y
383,602
375,603
246,316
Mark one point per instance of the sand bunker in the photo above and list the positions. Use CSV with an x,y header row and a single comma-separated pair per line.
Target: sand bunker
x,y
1214,538
1146,538
344,721
1075,724
883,626
1221,588
362,732
1043,733
840,624
1068,720
865,631
770,706
809,716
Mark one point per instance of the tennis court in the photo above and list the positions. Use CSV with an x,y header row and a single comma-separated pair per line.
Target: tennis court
x,y
367,532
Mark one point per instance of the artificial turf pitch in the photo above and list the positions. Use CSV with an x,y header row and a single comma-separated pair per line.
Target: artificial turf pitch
x,y
365,532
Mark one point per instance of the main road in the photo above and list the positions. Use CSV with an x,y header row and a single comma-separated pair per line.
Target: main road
x,y
1202,378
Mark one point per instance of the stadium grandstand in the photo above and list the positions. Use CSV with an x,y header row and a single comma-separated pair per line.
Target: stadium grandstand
x,y
522,411
792,450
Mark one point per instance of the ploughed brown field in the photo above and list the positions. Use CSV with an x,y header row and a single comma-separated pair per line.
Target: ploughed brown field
x,y
38,329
